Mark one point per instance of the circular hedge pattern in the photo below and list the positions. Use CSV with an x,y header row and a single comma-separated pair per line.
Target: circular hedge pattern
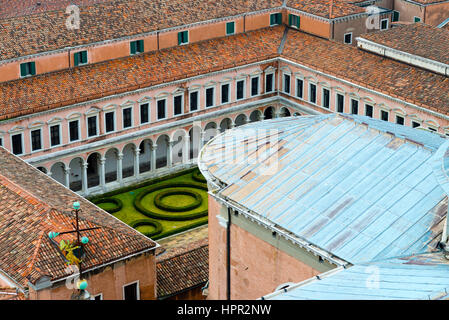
x,y
184,192
118,204
146,222
197,176
167,216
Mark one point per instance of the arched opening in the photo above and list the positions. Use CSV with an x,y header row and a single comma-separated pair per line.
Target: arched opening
x,y
58,172
76,172
145,156
110,165
210,131
128,160
240,120
178,146
269,113
285,112
255,116
195,138
161,151
93,177
42,169
225,124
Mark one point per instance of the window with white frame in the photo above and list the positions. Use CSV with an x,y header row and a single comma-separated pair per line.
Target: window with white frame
x,y
299,88
92,126
384,115
161,109
74,130
348,38
109,119
326,100
269,82
312,92
384,24
178,104
255,85
286,83
210,97
415,124
400,120
340,101
36,139
131,291
240,89
225,93
354,106
144,113
432,129
98,297
55,135
127,117
369,110
194,100
17,143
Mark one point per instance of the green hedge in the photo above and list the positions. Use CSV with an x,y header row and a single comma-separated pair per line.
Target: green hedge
x,y
147,222
117,202
155,215
159,204
197,176
181,229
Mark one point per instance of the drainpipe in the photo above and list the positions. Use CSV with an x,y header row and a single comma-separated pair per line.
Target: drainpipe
x,y
228,256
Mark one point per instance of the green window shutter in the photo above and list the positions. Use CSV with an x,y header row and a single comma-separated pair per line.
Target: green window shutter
x,y
272,19
395,16
230,28
76,57
32,68
186,36
84,57
179,37
290,19
141,46
278,18
23,69
298,21
133,47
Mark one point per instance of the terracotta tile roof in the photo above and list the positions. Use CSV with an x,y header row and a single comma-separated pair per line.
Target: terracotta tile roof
x,y
418,39
321,8
397,79
32,205
48,91
187,269
15,8
20,36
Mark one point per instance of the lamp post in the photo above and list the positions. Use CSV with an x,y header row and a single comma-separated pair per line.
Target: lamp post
x,y
82,293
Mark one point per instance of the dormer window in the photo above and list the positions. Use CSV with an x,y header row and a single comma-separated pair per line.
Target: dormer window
x,y
275,19
80,58
27,69
183,37
293,21
136,46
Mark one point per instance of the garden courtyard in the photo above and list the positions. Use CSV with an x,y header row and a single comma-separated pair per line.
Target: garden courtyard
x,y
160,207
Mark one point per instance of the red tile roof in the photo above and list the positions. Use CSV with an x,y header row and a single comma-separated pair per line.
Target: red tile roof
x,y
397,79
185,270
20,36
48,91
322,8
32,205
418,39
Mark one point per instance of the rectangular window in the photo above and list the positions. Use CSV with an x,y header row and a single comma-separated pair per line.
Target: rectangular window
x,y
109,118
312,93
348,38
275,19
326,98
384,24
36,140
127,117
254,86
287,83
194,98
293,20
416,19
415,124
340,103
354,106
1,142
131,291
368,110
299,88
136,46
230,28
183,37
383,115
240,89
177,105
98,297
27,69
395,16
400,120
80,58
432,129
210,93
92,126
161,109
16,142
269,83
225,89
144,113
55,135
74,134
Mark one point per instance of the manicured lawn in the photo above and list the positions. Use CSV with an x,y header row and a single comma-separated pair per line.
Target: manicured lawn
x,y
178,208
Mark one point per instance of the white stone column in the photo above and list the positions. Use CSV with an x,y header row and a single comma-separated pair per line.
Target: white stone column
x,y
84,182
170,154
232,125
201,142
102,173
136,163
186,151
153,157
67,177
119,168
